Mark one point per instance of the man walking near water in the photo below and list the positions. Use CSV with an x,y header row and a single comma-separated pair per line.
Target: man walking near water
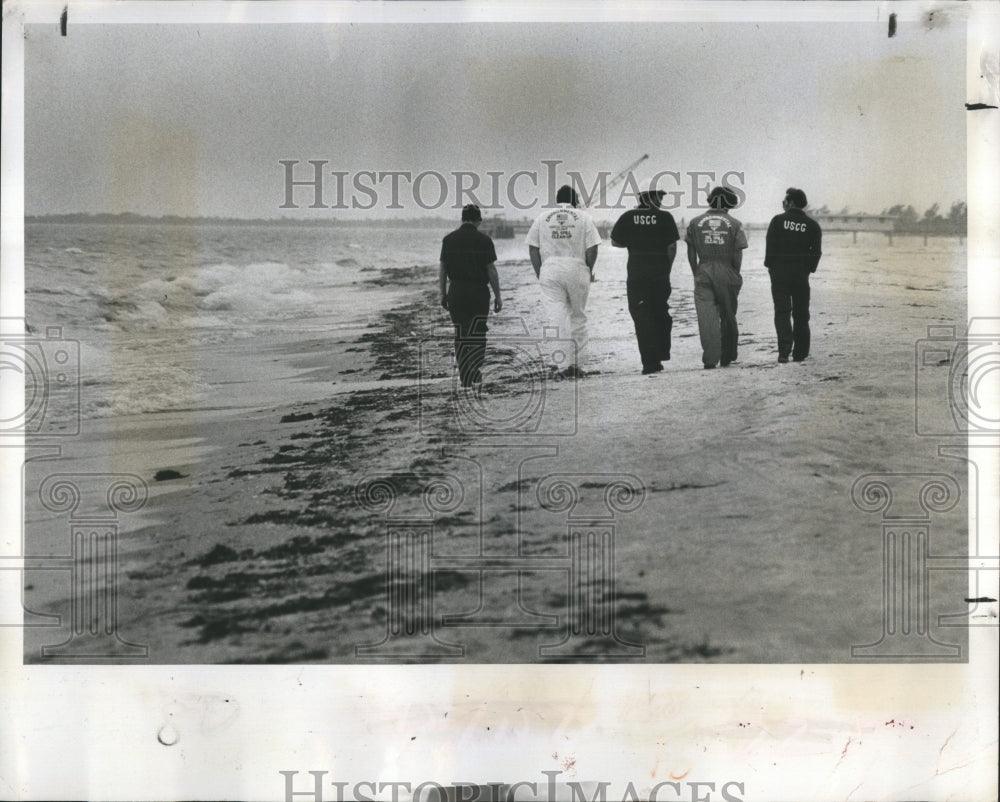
x,y
715,243
650,234
562,244
794,245
468,265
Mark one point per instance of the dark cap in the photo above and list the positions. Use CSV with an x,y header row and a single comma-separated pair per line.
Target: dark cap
x,y
796,197
651,191
722,198
471,213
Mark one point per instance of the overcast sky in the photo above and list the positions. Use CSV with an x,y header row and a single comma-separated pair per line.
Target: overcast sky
x,y
193,119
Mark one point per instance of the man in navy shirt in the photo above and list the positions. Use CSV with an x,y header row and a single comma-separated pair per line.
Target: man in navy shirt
x,y
650,234
468,265
793,249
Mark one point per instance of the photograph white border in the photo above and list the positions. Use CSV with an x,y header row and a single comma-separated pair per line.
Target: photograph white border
x,y
225,732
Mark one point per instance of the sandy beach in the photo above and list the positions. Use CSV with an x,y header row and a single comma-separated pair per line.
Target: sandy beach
x,y
732,538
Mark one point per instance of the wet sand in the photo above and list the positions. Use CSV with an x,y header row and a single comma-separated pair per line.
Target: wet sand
x,y
734,535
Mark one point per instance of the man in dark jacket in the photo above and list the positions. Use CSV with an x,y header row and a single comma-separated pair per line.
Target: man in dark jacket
x,y
468,265
792,253
650,234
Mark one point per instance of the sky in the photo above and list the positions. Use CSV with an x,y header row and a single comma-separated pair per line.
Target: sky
x,y
195,119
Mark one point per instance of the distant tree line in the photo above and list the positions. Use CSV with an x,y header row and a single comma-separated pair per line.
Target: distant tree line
x,y
130,218
910,221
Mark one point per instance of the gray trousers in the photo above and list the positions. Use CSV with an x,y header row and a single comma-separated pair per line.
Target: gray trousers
x,y
716,290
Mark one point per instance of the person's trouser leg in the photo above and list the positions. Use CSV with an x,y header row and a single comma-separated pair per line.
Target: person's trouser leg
x,y
640,307
468,308
462,351
659,296
555,307
577,290
709,328
555,302
781,295
800,317
470,349
472,352
727,295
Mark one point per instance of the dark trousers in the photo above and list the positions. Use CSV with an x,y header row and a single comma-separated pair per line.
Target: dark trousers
x,y
469,304
647,303
790,293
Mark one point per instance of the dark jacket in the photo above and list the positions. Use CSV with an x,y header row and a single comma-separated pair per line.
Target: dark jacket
x,y
794,242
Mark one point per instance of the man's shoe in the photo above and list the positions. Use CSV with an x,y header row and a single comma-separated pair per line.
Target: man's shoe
x,y
783,359
652,369
799,358
709,367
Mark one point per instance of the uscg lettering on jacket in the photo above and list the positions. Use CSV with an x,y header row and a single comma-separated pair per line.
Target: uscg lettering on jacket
x,y
791,226
644,219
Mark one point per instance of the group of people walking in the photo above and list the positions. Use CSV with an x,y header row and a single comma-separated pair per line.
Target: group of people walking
x,y
563,244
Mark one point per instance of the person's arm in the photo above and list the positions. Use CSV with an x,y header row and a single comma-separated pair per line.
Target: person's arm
x,y
816,250
618,234
491,271
671,255
592,241
771,242
536,259
443,282
692,257
741,243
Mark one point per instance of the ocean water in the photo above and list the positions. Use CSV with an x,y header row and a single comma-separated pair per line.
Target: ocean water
x,y
168,317
158,315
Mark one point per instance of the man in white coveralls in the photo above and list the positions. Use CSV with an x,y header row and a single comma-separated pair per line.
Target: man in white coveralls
x,y
562,243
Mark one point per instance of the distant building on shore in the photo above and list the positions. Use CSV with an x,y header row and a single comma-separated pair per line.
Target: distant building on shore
x,y
498,227
885,223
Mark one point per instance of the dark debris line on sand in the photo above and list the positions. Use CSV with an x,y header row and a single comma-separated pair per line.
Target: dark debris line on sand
x,y
331,560
322,581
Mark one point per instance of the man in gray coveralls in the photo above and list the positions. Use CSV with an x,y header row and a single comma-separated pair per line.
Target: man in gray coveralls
x,y
715,243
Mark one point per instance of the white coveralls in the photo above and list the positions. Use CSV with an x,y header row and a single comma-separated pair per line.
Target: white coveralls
x,y
562,236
